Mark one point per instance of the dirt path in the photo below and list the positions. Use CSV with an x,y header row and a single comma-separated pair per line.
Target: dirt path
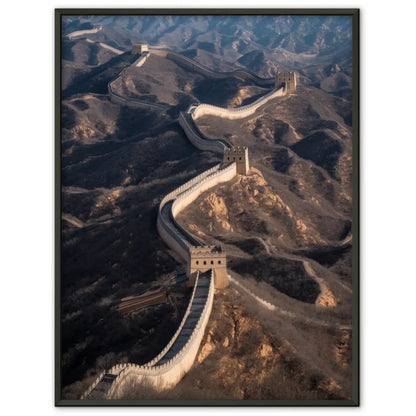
x,y
288,314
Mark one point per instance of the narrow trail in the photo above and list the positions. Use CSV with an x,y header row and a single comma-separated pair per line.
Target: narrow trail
x,y
265,244
307,264
283,312
309,269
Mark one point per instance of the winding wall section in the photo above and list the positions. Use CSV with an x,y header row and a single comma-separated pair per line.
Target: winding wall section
x,y
237,112
193,65
176,359
202,142
171,232
77,33
188,64
180,357
133,102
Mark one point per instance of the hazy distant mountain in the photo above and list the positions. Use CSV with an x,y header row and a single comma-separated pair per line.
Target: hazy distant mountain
x,y
317,35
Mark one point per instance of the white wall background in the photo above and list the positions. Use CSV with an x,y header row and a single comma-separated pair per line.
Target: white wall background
x,y
388,148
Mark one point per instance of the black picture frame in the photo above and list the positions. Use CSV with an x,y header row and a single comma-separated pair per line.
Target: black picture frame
x,y
355,14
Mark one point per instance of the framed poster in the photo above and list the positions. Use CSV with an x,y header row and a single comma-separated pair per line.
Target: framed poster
x,y
207,207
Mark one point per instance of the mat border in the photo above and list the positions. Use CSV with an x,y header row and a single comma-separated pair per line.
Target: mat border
x,y
355,14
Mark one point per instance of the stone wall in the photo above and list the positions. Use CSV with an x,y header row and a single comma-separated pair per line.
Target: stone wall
x,y
193,192
159,52
203,109
262,302
167,375
198,140
168,230
173,234
182,197
83,32
141,60
133,102
287,78
92,387
173,240
155,360
238,112
193,65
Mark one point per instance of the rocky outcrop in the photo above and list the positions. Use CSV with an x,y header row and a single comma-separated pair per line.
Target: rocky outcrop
x,y
217,212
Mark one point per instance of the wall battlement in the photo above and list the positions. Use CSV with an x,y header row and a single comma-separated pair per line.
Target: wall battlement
x,y
141,59
288,78
205,258
139,48
239,155
208,250
196,138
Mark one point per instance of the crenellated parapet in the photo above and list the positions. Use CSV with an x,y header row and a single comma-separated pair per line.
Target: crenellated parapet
x,y
199,140
239,155
176,237
139,48
141,59
205,258
237,112
179,359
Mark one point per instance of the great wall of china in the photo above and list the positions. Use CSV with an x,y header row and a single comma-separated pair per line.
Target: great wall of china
x,y
206,265
78,33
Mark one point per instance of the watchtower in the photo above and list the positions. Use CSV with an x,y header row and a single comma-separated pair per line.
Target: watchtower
x,y
139,48
205,258
288,78
238,154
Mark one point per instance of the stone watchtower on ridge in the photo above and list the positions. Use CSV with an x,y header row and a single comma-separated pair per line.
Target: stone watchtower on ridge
x,y
206,258
238,154
139,48
288,78
213,257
